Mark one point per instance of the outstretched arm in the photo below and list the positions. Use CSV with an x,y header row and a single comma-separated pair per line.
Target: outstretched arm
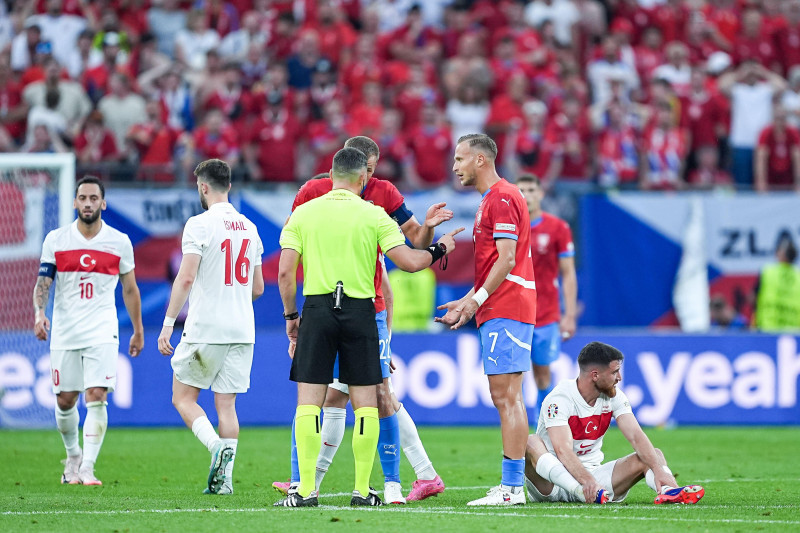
x,y
569,281
421,235
412,260
461,311
133,303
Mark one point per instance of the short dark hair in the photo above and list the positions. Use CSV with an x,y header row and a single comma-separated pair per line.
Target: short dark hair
x,y
366,145
216,173
529,178
788,247
348,163
598,353
482,142
90,180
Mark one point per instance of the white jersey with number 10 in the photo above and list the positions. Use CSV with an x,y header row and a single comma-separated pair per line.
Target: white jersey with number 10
x,y
221,300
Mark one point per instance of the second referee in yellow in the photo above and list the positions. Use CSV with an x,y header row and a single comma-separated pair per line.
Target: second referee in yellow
x,y
338,235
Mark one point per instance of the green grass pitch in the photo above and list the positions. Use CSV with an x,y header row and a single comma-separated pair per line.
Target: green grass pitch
x,y
153,480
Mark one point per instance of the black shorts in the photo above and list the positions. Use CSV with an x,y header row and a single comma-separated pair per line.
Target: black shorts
x,y
350,331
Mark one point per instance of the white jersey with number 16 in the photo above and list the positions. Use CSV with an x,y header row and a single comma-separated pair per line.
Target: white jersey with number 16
x,y
221,300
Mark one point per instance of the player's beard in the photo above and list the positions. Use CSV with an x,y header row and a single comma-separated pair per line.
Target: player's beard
x,y
90,219
609,391
203,201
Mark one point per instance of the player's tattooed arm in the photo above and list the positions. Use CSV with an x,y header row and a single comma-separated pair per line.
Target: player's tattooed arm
x,y
41,294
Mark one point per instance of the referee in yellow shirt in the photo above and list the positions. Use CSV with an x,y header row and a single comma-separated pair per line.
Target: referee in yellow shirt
x,y
338,235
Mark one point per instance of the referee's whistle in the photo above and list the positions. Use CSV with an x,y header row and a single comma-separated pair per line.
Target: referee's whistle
x,y
337,295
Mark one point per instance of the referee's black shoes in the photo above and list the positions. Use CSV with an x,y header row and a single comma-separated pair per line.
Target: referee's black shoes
x,y
293,499
371,500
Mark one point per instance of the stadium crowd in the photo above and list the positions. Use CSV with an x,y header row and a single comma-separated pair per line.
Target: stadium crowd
x,y
650,94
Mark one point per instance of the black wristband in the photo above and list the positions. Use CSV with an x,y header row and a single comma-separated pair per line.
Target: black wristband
x,y
437,251
291,316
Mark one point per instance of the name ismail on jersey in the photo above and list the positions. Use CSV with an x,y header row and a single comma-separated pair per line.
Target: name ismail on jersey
x,y
235,225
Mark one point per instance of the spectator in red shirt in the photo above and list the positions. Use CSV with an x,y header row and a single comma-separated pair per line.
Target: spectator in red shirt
x,y
529,150
787,38
703,39
702,112
671,18
13,110
324,87
154,144
414,94
272,142
708,175
753,42
430,147
506,109
649,54
96,143
336,36
505,63
777,163
394,151
571,131
368,115
665,146
469,64
326,136
215,139
229,97
222,16
364,67
95,80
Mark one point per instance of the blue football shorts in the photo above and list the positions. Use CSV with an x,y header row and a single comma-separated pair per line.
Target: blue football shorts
x,y
506,346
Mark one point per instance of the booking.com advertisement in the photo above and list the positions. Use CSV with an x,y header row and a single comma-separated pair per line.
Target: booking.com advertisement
x,y
669,379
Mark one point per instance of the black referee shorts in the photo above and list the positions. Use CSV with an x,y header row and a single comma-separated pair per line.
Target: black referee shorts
x,y
350,331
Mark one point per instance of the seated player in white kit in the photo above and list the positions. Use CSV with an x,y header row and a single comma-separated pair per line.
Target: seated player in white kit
x,y
563,459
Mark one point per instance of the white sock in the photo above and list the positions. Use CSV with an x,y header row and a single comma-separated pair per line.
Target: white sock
x,y
232,443
94,430
650,479
67,424
549,467
331,434
204,431
412,446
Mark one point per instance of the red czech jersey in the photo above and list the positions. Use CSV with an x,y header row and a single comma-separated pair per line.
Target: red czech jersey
x,y
503,214
378,192
551,239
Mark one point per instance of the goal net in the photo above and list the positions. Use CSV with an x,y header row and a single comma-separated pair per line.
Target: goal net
x,y
36,192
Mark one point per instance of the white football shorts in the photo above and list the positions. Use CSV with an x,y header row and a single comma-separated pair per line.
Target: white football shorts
x,y
223,368
601,473
78,370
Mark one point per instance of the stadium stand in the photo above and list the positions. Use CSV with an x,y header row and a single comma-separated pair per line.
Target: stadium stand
x,y
650,94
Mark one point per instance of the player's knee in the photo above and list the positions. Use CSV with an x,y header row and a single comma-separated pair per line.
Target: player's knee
x,y
66,400
96,394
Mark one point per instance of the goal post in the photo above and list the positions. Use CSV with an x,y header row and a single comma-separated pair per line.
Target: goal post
x,y
36,196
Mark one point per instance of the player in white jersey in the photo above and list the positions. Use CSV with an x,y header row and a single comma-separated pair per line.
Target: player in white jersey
x,y
86,258
563,459
220,273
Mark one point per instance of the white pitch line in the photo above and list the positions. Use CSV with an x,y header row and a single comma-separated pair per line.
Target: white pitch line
x,y
387,509
486,487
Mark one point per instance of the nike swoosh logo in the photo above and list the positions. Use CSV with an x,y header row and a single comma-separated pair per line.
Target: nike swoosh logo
x,y
331,445
109,377
84,277
587,446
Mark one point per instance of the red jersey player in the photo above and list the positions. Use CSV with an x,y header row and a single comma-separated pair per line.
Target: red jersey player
x,y
503,302
394,419
552,253
564,456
